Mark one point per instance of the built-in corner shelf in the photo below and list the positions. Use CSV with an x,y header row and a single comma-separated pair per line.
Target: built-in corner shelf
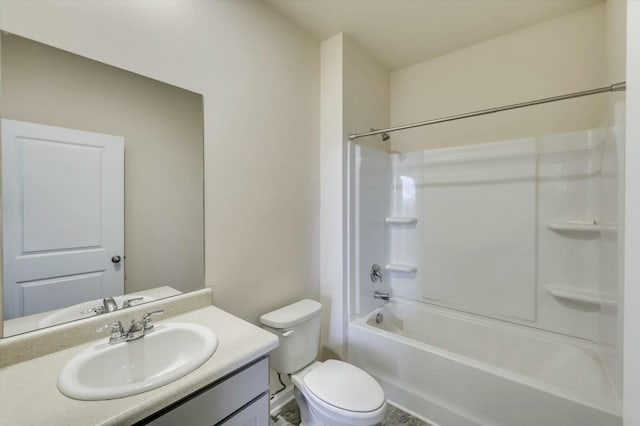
x,y
579,295
580,226
399,267
401,220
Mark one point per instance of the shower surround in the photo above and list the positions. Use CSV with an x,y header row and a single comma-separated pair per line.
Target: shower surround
x,y
502,263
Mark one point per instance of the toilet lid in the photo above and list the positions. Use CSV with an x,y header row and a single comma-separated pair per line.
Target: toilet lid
x,y
344,386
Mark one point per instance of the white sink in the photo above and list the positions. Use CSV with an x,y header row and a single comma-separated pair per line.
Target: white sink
x,y
105,371
75,312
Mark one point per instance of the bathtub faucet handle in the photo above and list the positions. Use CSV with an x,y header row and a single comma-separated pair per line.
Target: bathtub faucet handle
x,y
376,273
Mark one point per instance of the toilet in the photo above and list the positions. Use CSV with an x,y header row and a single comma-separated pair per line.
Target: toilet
x,y
331,393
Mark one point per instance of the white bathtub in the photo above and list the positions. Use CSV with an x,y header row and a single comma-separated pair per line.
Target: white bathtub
x,y
461,370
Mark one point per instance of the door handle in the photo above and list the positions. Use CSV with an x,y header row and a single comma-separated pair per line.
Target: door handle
x,y
116,259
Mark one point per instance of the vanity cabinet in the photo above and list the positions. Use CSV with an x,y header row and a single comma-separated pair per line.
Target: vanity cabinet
x,y
239,399
255,414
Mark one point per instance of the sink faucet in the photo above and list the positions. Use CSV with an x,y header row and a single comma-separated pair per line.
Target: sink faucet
x,y
139,329
381,296
109,305
136,330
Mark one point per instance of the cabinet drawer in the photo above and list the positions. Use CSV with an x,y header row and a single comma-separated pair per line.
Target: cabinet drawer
x,y
212,404
255,414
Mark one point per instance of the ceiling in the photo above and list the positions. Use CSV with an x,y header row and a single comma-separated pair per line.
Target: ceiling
x,y
404,32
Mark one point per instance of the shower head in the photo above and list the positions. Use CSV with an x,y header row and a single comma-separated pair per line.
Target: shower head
x,y
384,135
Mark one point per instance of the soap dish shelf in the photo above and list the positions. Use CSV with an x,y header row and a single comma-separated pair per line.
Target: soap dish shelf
x,y
580,227
579,295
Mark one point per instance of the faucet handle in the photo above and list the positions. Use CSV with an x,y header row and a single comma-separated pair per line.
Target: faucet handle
x,y
114,327
97,310
376,273
147,320
127,303
117,332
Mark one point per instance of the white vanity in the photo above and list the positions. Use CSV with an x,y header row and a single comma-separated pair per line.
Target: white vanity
x,y
230,388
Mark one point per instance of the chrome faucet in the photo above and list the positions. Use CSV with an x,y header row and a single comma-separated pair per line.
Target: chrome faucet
x,y
376,273
139,329
136,330
109,305
381,296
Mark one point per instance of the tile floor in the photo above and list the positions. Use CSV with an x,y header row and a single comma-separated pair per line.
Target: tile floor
x,y
290,415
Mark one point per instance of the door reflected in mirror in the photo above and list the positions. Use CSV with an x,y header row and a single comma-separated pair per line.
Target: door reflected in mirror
x,y
102,187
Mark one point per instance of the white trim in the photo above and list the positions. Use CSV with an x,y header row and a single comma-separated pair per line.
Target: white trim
x,y
631,392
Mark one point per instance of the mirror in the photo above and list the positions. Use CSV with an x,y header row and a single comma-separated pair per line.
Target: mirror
x,y
102,187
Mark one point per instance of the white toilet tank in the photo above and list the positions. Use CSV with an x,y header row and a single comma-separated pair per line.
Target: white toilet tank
x,y
298,329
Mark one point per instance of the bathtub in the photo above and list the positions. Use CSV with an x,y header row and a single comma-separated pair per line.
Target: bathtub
x,y
454,369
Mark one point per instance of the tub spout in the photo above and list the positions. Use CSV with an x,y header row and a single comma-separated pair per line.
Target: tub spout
x,y
381,296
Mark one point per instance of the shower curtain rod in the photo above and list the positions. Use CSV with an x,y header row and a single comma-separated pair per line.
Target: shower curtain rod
x,y
617,87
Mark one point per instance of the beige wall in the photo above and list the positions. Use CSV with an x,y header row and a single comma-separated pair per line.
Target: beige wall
x,y
259,75
616,59
354,95
558,56
163,132
332,200
366,94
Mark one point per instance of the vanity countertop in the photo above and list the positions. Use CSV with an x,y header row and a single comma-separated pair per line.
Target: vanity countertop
x,y
29,395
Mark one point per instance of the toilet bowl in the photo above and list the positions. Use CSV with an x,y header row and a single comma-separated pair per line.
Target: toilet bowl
x,y
330,393
338,394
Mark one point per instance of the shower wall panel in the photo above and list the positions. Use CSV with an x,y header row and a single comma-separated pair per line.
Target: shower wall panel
x,y
568,259
479,228
483,239
611,208
404,243
370,190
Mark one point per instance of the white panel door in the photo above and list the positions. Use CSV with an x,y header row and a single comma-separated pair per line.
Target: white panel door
x,y
63,216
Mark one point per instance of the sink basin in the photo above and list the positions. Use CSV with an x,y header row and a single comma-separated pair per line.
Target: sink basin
x,y
105,371
74,312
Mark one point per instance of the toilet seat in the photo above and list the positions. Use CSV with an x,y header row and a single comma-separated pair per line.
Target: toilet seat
x,y
328,414
345,387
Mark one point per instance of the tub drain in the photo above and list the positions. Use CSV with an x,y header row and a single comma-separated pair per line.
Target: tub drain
x,y
379,318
